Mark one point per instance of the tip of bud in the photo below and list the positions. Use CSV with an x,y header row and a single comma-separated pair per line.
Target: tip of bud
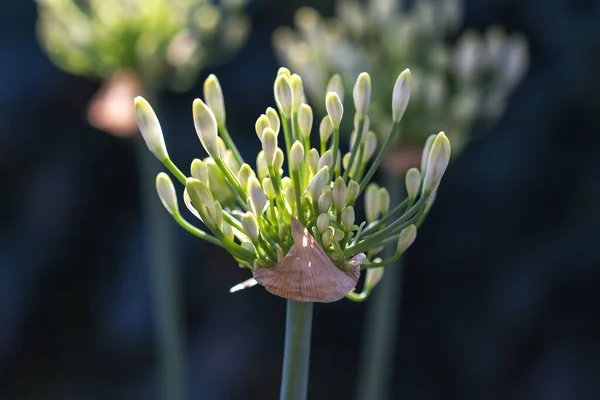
x,y
213,95
401,95
149,126
166,193
335,109
206,127
362,94
437,162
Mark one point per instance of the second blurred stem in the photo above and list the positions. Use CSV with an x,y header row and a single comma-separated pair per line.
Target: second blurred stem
x,y
380,331
164,276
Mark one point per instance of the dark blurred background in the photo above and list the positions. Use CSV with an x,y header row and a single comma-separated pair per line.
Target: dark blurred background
x,y
502,288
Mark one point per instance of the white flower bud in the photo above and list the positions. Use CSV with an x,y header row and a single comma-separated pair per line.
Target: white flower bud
x,y
327,237
269,145
338,234
288,192
267,185
297,92
273,119
373,277
150,128
199,171
296,155
336,85
283,95
406,238
206,128
213,95
261,165
278,162
323,222
413,182
256,196
383,199
340,192
305,119
284,71
325,129
371,204
231,161
325,200
362,94
316,185
326,159
335,109
370,142
217,217
312,159
353,190
439,157
262,123
250,225
166,193
201,198
348,217
401,95
244,175
425,154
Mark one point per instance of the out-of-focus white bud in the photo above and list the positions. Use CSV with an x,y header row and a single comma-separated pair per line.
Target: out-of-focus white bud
x,y
150,128
323,222
439,157
325,200
166,193
371,203
325,129
340,193
256,196
244,175
353,190
296,155
335,109
413,182
250,225
425,154
336,85
373,277
273,119
316,185
401,95
269,145
348,217
362,94
199,171
213,95
326,159
283,95
262,123
383,199
206,128
406,238
312,159
267,185
370,143
305,119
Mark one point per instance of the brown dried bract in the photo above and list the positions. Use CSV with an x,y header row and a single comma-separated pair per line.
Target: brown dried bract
x,y
306,274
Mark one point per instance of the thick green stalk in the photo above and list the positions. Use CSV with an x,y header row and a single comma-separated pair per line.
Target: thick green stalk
x,y
296,353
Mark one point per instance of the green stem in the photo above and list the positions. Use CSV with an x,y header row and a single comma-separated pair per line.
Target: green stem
x,y
230,144
296,353
388,140
355,148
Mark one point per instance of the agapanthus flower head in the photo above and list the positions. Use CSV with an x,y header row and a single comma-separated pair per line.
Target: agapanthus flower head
x,y
294,226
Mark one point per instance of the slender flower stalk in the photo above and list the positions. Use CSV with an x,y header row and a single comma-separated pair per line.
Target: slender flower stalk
x,y
297,234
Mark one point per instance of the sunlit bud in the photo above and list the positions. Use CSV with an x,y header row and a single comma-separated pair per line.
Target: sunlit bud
x,y
296,155
362,94
320,180
406,238
312,159
262,123
199,171
305,119
401,95
227,230
267,185
150,128
250,225
373,277
257,197
284,71
273,119
244,175
340,192
217,217
348,217
269,145
425,154
336,85
370,142
206,128
371,203
166,193
439,157
335,109
283,95
383,199
201,197
413,181
221,144
288,191
278,162
213,95
262,169
353,190
323,222
327,237
325,129
326,159
231,161
217,183
297,92
325,200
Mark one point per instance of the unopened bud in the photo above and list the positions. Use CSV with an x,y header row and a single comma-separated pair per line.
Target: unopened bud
x,y
326,159
370,143
149,126
406,238
278,162
383,199
201,198
262,123
206,128
283,95
353,191
262,169
439,157
325,129
305,119
335,109
199,171
166,193
336,85
425,154
296,155
316,185
217,217
340,192
213,95
371,203
257,197
413,181
273,119
362,94
401,95
323,222
244,175
373,277
327,237
250,225
325,200
269,145
284,71
267,185
297,92
288,191
348,217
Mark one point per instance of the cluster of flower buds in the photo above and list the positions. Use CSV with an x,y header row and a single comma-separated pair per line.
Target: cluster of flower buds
x,y
164,41
298,233
453,85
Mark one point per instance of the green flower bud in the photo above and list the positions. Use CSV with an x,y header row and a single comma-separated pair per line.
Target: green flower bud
x,y
288,192
312,159
413,182
199,171
439,157
348,217
297,92
296,155
383,199
406,238
283,95
257,198
305,119
371,204
213,95
373,277
244,175
323,222
401,95
362,94
340,193
206,128
166,193
267,185
202,199
325,129
262,123
326,159
217,217
325,200
269,144
336,85
353,190
327,237
335,109
150,128
250,225
273,119
318,183
338,234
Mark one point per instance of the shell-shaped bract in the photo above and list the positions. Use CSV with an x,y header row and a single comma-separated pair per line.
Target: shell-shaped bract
x,y
306,274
